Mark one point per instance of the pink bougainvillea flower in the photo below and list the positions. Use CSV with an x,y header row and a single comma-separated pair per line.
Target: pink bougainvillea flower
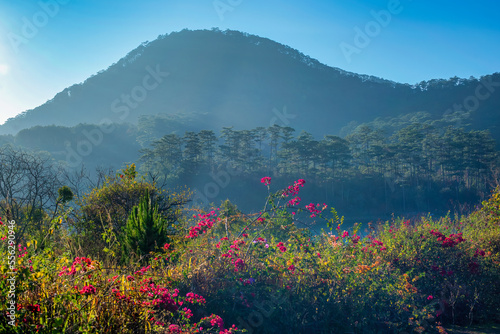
x,y
206,223
281,246
294,189
294,201
217,322
266,180
88,290
175,329
239,264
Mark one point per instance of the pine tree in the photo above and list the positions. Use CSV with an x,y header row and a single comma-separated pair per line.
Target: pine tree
x,y
145,230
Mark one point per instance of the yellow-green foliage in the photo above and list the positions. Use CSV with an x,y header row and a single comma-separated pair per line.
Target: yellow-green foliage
x,y
110,204
483,226
104,211
262,273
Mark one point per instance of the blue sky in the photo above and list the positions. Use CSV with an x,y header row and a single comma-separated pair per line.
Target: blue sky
x,y
410,41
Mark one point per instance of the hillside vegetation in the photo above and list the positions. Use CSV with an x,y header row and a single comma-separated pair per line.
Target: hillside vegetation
x,y
411,164
230,78
130,258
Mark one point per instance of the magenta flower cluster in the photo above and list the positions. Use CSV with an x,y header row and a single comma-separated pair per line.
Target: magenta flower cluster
x,y
293,190
79,262
88,290
266,180
281,246
206,223
315,209
450,241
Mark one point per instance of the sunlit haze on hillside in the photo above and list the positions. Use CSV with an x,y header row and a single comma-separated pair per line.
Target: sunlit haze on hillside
x,y
48,45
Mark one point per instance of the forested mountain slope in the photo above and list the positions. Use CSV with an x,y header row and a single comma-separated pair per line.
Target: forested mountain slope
x,y
235,79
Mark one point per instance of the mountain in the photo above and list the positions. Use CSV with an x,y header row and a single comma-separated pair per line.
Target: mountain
x,y
229,78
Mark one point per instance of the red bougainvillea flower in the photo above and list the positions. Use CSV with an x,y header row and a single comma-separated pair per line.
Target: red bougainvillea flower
x,y
142,271
194,298
294,201
206,223
187,312
239,264
266,180
480,252
293,190
88,290
430,297
217,322
312,208
233,329
281,246
174,329
345,234
79,264
449,241
33,308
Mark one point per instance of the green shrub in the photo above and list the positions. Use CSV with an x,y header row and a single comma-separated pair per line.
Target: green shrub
x,y
146,230
263,274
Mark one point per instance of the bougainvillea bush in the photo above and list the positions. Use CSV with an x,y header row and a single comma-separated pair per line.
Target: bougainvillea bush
x,y
231,272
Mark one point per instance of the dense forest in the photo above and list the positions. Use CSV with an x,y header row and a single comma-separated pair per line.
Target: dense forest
x,y
408,165
403,149
418,168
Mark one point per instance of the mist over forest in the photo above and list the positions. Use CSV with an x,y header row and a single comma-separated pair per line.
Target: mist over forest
x,y
369,146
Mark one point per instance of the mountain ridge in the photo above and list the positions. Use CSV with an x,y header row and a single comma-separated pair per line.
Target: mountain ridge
x,y
230,78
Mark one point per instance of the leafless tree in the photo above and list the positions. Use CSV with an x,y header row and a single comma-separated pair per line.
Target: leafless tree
x,y
28,186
